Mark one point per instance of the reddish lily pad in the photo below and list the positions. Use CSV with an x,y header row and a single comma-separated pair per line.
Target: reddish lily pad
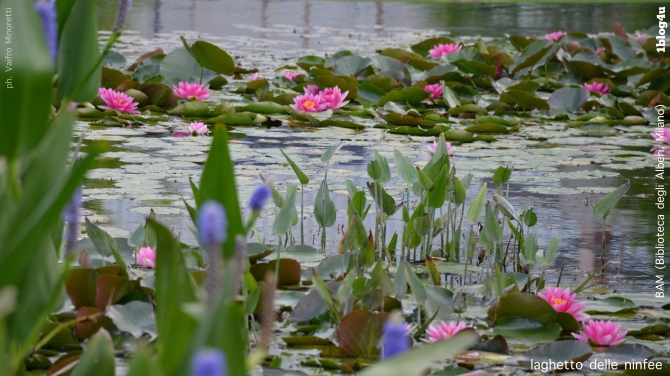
x,y
360,331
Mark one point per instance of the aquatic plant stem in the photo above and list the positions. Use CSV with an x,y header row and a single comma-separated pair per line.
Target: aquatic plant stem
x,y
302,214
278,255
604,241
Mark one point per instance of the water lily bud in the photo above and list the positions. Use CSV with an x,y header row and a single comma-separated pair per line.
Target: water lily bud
x,y
209,362
212,224
259,197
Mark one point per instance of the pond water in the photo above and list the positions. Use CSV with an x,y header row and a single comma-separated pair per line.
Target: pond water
x,y
562,173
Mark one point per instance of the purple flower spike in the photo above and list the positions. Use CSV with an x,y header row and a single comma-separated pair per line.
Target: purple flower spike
x,y
212,224
47,11
209,362
395,340
259,197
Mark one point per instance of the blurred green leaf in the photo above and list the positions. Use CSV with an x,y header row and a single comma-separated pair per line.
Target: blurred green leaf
x,y
477,205
607,203
98,359
298,172
213,58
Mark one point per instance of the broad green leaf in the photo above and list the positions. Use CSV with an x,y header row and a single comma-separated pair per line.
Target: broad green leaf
x,y
136,318
569,98
267,108
175,288
450,97
142,364
328,155
502,174
298,172
384,167
418,288
505,207
106,245
406,171
411,95
218,183
400,281
26,95
415,361
325,294
78,54
607,203
438,191
285,216
324,208
213,58
524,100
530,249
492,229
477,205
550,253
98,359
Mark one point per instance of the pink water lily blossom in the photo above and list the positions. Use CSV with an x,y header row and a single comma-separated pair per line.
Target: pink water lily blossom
x,y
435,90
600,50
291,75
443,331
640,38
197,128
450,148
307,103
333,98
116,100
598,87
602,333
440,50
254,77
555,36
661,135
191,92
563,301
312,89
146,257
660,151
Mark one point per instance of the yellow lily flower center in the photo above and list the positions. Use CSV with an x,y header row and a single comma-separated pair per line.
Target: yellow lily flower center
x,y
120,101
308,104
557,301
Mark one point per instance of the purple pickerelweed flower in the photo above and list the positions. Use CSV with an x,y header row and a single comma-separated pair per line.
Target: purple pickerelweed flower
x,y
122,14
209,362
259,197
395,339
47,11
72,218
212,223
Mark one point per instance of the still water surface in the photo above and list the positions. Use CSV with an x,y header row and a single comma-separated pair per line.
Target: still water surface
x,y
312,25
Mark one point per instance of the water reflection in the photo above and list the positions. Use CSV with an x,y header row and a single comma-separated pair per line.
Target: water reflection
x,y
253,18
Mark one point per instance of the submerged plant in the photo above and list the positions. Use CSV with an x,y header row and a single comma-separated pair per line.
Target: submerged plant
x,y
115,100
602,333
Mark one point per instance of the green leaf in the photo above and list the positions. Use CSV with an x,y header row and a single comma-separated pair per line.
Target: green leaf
x,y
400,281
487,128
524,305
450,97
285,216
325,294
193,109
326,157
438,191
406,171
135,317
527,330
267,108
142,364
551,253
607,203
532,54
174,289
530,249
298,172
384,167
78,54
369,93
505,207
106,245
424,47
492,230
502,174
324,208
477,205
98,359
213,58
569,98
218,183
524,100
415,283
415,361
26,101
411,95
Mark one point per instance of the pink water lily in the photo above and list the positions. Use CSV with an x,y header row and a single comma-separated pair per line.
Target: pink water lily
x,y
440,50
661,135
197,128
116,100
146,257
555,36
291,75
307,103
450,148
191,92
435,90
640,38
254,77
602,333
660,151
443,331
598,87
333,98
563,301
600,50
312,89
